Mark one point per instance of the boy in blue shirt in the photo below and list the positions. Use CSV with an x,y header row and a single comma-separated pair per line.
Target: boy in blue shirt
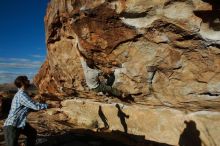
x,y
15,123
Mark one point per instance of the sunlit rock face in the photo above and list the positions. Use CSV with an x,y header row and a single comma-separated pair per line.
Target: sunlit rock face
x,y
179,39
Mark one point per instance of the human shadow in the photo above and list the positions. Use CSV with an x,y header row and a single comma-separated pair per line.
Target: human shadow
x,y
104,119
190,135
122,117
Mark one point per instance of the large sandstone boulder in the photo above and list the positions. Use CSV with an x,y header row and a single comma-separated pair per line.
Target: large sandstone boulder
x,y
180,40
170,35
158,124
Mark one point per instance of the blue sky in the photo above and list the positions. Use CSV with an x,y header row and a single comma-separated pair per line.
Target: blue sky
x,y
22,38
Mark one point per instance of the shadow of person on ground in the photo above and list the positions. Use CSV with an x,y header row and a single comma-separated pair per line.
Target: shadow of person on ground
x,y
122,117
104,120
190,135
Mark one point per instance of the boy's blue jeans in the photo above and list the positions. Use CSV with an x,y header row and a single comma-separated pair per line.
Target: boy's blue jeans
x,y
12,134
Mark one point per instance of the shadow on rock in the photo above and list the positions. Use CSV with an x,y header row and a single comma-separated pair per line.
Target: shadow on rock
x,y
122,116
212,17
103,118
190,135
82,137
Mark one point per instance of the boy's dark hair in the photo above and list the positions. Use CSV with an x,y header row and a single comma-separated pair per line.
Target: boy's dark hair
x,y
19,81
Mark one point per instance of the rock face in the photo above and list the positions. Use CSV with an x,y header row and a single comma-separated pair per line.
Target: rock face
x,y
166,53
160,124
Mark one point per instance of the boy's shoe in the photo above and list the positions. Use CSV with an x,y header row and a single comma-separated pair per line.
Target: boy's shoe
x,y
100,94
125,95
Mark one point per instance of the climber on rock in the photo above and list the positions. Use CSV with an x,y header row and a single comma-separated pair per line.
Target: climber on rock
x,y
92,73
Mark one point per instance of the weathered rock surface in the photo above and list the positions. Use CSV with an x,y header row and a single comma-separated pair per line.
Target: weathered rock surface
x,y
135,34
160,124
179,39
